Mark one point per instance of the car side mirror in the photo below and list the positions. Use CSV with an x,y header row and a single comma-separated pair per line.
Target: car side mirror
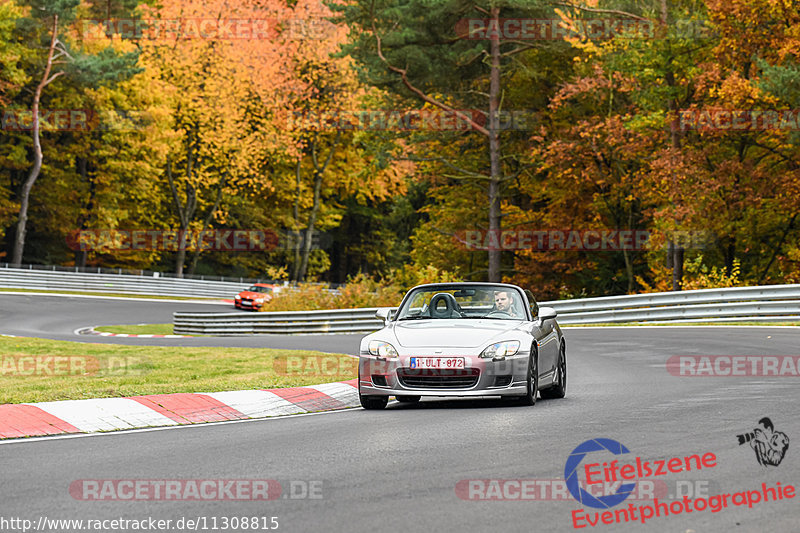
x,y
385,314
547,313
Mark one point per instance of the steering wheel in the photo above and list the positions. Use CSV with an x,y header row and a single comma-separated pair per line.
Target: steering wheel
x,y
498,314
451,306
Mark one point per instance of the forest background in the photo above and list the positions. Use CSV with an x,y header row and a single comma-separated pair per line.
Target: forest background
x,y
389,142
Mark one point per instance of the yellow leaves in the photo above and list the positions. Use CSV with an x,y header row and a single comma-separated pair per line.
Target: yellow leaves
x,y
12,77
736,91
573,29
697,275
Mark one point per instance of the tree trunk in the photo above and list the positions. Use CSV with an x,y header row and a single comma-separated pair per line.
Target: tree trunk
x,y
776,249
670,253
628,262
730,255
185,211
206,222
81,256
319,170
180,258
295,276
25,193
495,177
677,270
675,142
628,270
309,233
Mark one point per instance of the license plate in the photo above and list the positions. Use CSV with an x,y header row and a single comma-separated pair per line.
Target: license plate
x,y
437,362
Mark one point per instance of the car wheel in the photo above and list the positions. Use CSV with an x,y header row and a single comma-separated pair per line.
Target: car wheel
x,y
373,402
408,399
532,385
559,388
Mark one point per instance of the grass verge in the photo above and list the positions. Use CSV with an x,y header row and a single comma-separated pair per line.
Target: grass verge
x,y
140,329
38,370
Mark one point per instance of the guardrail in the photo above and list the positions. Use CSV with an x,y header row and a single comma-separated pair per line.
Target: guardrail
x,y
18,278
765,303
266,323
736,304
135,272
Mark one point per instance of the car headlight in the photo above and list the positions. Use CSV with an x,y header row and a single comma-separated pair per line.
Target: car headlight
x,y
237,297
259,300
382,349
501,349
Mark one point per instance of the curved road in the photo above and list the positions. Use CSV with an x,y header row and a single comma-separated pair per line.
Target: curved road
x,y
397,470
57,317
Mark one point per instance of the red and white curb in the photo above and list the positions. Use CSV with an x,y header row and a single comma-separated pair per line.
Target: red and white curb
x,y
154,410
92,331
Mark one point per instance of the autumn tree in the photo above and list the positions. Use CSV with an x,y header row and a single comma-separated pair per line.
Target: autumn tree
x,y
592,167
330,162
451,57
46,25
12,79
219,85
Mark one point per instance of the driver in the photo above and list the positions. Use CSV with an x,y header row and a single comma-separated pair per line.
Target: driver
x,y
503,303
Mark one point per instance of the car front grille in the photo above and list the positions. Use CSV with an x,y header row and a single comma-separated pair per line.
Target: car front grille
x,y
414,378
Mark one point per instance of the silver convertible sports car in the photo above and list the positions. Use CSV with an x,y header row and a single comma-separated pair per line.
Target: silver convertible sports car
x,y
464,339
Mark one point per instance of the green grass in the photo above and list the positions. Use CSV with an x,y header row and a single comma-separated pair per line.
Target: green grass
x,y
88,370
141,329
113,294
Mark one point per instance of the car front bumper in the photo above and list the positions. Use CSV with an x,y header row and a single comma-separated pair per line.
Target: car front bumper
x,y
480,377
248,304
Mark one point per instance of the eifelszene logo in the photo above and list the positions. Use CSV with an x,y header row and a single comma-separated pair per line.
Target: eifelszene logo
x,y
770,445
571,474
614,474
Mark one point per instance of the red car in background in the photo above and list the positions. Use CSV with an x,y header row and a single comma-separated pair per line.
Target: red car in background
x,y
254,297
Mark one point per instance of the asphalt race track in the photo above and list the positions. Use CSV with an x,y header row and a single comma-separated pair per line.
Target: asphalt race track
x,y
57,317
398,470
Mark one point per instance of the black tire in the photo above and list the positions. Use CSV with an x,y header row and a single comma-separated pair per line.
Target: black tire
x,y
373,403
559,388
408,399
532,384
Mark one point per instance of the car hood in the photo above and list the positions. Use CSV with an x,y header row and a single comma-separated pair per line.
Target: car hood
x,y
248,294
458,333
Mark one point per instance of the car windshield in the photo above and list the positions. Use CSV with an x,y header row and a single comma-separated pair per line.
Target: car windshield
x,y
256,288
463,301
